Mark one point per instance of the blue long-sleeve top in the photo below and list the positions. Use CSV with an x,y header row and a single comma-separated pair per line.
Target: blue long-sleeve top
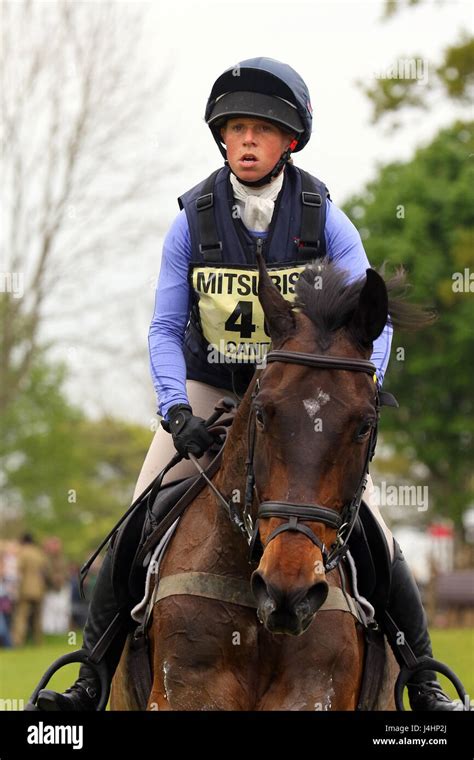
x,y
174,296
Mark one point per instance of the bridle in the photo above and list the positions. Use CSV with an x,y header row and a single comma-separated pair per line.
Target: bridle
x,y
296,514
342,521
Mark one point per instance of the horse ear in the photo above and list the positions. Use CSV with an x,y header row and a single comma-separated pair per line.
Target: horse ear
x,y
370,316
279,317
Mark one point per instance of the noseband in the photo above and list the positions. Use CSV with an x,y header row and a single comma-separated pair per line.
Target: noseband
x,y
293,513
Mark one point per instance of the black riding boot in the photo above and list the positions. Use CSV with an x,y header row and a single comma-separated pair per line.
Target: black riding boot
x,y
85,692
406,609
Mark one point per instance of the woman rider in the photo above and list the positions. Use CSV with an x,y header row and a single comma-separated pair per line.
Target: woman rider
x,y
207,332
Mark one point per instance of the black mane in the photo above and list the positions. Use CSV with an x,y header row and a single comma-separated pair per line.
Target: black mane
x,y
325,297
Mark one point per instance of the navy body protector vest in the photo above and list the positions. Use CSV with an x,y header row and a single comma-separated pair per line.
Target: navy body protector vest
x,y
220,240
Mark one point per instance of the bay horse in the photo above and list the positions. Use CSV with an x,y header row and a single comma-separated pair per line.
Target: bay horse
x,y
210,654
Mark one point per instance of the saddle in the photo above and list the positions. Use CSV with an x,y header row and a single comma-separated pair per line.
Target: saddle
x,y
128,572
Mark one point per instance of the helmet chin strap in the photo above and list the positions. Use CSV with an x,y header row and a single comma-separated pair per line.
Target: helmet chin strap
x,y
285,157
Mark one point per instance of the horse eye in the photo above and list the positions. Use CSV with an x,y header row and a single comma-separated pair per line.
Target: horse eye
x,y
364,430
259,417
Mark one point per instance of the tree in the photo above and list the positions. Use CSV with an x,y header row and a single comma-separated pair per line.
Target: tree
x,y
62,473
75,99
421,214
400,87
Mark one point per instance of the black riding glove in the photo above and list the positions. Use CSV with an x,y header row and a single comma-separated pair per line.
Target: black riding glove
x,y
190,434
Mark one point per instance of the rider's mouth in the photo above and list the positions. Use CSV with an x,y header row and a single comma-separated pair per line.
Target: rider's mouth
x,y
248,160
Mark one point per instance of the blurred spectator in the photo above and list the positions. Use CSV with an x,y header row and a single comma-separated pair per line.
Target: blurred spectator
x,y
32,585
79,606
57,601
8,580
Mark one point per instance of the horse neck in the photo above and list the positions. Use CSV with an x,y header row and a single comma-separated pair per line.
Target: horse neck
x,y
232,471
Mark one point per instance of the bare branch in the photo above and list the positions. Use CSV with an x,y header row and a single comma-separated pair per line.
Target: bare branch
x,y
75,100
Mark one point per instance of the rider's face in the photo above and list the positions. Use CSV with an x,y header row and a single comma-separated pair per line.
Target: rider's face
x,y
254,146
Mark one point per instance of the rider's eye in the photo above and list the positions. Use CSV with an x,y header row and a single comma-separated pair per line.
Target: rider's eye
x,y
364,430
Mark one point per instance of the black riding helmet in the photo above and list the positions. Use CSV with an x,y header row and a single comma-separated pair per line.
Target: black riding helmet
x,y
267,89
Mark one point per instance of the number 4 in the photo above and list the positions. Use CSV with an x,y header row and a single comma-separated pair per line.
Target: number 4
x,y
242,312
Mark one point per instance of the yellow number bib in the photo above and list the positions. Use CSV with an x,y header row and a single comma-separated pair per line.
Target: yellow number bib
x,y
231,316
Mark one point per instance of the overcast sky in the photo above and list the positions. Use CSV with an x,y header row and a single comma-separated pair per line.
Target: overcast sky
x,y
331,44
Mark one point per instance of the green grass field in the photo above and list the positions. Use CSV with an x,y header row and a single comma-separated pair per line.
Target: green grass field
x,y
455,647
21,669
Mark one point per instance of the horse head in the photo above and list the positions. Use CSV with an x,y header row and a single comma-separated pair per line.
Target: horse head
x,y
313,430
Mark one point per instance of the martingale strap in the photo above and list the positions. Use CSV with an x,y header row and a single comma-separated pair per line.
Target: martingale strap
x,y
237,591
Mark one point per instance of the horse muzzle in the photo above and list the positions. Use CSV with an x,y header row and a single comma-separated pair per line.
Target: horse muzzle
x,y
289,612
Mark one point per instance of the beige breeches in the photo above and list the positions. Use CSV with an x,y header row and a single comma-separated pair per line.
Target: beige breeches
x,y
202,399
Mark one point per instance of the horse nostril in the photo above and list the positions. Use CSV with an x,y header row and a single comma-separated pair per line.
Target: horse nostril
x,y
259,587
266,602
316,596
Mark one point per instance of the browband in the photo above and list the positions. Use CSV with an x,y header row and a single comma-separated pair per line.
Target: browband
x,y
318,360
